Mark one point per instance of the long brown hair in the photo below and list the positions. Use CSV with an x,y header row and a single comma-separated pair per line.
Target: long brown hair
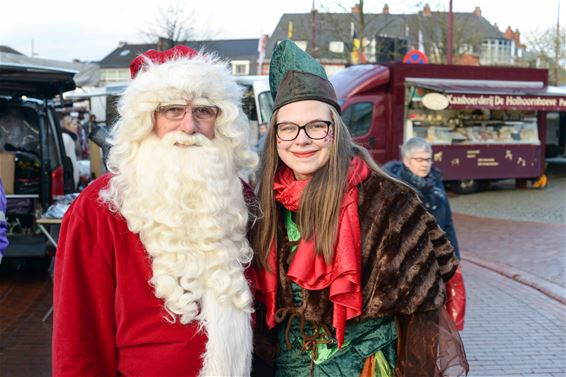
x,y
319,208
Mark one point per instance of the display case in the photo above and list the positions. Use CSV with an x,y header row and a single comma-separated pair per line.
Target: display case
x,y
469,126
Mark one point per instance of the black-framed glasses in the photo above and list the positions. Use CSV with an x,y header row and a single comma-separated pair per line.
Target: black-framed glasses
x,y
178,112
316,130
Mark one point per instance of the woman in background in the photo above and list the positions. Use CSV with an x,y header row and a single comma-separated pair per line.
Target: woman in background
x,y
69,132
417,171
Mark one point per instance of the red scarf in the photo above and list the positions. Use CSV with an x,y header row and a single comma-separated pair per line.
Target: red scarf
x,y
309,269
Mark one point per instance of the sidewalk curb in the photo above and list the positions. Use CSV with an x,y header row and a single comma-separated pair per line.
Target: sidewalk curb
x,y
551,290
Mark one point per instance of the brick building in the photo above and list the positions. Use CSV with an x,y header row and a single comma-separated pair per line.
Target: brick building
x,y
335,38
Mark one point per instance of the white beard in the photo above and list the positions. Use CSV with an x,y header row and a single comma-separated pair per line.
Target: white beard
x,y
186,203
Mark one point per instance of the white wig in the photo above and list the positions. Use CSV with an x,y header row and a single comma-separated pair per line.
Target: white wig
x,y
203,76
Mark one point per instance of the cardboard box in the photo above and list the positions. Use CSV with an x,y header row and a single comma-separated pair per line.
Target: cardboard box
x,y
7,171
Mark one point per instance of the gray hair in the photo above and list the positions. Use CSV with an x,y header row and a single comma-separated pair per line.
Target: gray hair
x,y
415,144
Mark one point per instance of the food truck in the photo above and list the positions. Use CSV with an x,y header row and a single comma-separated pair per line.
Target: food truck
x,y
484,123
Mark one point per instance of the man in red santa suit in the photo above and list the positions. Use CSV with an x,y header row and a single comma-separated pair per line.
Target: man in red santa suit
x,y
150,269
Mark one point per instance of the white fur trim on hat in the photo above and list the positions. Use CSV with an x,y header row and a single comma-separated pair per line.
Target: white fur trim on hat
x,y
202,76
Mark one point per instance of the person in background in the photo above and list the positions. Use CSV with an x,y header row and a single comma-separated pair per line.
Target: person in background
x,y
91,124
83,130
3,222
351,268
151,272
69,132
417,170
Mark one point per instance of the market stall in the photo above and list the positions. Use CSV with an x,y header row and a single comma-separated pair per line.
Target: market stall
x,y
485,128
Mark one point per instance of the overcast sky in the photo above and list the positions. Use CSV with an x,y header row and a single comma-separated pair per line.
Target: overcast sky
x,y
90,30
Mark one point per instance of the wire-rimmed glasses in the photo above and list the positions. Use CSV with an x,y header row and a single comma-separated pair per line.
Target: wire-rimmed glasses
x,y
178,112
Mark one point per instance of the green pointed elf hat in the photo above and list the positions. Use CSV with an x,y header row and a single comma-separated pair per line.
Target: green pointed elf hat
x,y
295,76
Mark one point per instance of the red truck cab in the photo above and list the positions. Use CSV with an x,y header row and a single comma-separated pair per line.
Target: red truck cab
x,y
484,123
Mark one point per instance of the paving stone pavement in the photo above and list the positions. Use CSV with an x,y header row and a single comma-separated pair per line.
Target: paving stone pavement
x,y
536,248
504,201
511,329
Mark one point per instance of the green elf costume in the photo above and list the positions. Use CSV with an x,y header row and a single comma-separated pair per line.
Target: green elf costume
x,y
378,308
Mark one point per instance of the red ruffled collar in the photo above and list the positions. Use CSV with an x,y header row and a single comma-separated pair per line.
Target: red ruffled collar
x,y
309,269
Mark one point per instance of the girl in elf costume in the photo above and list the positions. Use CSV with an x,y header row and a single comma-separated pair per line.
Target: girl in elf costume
x,y
351,268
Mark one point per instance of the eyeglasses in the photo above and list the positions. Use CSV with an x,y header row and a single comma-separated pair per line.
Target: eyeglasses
x,y
421,160
316,130
178,112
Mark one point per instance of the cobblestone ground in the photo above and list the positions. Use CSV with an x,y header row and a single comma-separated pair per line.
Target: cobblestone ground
x,y
25,341
505,202
533,247
511,329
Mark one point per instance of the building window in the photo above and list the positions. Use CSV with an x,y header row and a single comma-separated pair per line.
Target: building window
x,y
336,46
465,48
496,52
114,75
240,67
302,45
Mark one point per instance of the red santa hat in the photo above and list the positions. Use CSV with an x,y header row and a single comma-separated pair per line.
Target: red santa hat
x,y
159,57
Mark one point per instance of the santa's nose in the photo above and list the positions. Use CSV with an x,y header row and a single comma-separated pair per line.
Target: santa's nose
x,y
189,124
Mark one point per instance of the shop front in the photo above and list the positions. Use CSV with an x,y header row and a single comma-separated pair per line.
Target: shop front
x,y
485,129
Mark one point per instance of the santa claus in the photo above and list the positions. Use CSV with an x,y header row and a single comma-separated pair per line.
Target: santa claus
x,y
150,270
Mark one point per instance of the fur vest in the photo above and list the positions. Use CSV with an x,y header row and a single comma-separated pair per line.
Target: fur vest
x,y
406,259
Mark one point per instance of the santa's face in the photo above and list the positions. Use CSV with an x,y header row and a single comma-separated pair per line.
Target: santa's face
x,y
191,118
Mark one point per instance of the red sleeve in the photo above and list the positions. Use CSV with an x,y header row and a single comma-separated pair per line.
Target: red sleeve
x,y
83,300
249,195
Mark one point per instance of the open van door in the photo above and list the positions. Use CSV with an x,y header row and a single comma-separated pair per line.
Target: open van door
x,y
31,135
44,83
20,82
263,99
257,103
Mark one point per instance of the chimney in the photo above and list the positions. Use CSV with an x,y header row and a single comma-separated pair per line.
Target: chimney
x,y
496,26
477,11
509,34
386,9
122,44
356,9
517,37
426,10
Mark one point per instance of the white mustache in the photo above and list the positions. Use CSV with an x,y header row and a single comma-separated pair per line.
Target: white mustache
x,y
179,137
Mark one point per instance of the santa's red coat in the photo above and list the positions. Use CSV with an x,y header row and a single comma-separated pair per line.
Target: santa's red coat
x,y
107,320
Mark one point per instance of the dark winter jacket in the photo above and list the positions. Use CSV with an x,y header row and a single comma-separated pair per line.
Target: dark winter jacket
x,y
433,195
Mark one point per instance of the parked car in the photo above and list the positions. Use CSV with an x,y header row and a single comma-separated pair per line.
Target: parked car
x,y
34,167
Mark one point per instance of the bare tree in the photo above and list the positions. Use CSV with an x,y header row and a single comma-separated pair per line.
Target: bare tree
x,y
175,24
358,35
547,49
431,33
